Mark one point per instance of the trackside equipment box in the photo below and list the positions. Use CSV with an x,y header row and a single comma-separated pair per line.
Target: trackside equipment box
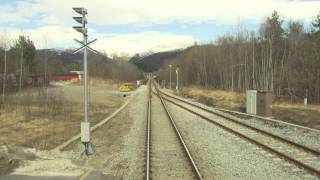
x,y
264,103
251,102
259,103
85,131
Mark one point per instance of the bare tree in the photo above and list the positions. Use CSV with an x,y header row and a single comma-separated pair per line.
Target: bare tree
x,y
278,58
5,44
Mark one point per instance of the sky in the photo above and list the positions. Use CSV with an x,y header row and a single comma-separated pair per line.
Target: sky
x,y
140,26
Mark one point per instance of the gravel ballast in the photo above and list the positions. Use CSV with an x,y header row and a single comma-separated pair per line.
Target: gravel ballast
x,y
221,155
168,158
300,136
308,138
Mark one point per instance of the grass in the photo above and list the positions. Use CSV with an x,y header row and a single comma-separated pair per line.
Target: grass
x,y
294,113
298,113
287,105
216,98
110,83
29,120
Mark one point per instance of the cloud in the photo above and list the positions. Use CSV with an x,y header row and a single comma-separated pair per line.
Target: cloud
x,y
150,41
51,20
45,36
59,36
156,11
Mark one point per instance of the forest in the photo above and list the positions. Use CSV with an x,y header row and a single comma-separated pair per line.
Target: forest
x,y
23,66
282,56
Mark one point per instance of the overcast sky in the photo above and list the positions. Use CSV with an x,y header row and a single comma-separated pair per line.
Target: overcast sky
x,y
135,26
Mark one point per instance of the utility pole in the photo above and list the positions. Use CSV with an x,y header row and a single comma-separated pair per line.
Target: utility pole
x,y
4,75
85,125
305,100
232,78
170,66
21,62
177,86
45,83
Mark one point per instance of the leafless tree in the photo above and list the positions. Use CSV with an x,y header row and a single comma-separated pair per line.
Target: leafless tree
x,y
278,58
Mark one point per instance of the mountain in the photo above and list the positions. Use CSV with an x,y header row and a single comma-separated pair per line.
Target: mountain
x,y
153,62
66,57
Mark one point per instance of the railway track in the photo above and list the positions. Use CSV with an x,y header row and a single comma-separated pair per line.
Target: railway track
x,y
167,153
304,157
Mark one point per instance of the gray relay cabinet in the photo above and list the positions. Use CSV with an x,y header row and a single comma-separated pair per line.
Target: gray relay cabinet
x,y
259,103
251,102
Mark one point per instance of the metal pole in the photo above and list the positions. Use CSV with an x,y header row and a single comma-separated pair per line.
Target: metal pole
x,y
170,75
85,124
177,80
87,145
85,74
177,87
232,78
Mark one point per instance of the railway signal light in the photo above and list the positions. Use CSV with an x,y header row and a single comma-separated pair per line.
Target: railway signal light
x,y
80,20
80,29
85,125
81,11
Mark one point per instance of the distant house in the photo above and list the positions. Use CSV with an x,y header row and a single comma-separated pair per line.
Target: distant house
x,y
79,73
73,76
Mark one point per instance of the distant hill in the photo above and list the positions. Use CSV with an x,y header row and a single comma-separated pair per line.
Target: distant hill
x,y
147,62
153,62
66,57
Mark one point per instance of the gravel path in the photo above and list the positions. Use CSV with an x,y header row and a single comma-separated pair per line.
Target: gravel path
x,y
119,144
221,155
168,159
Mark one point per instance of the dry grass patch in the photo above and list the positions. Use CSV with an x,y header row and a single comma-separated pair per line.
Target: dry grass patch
x,y
216,98
297,106
110,83
29,120
298,113
294,113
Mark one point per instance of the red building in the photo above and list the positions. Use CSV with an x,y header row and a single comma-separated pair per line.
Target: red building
x,y
65,77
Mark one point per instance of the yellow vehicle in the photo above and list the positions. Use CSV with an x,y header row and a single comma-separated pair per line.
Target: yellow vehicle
x,y
125,88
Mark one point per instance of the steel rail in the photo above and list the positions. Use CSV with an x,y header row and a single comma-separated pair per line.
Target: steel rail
x,y
270,119
148,132
302,165
302,147
254,116
195,168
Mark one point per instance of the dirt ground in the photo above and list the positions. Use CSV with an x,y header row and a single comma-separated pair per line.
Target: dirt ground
x,y
119,144
33,127
293,113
